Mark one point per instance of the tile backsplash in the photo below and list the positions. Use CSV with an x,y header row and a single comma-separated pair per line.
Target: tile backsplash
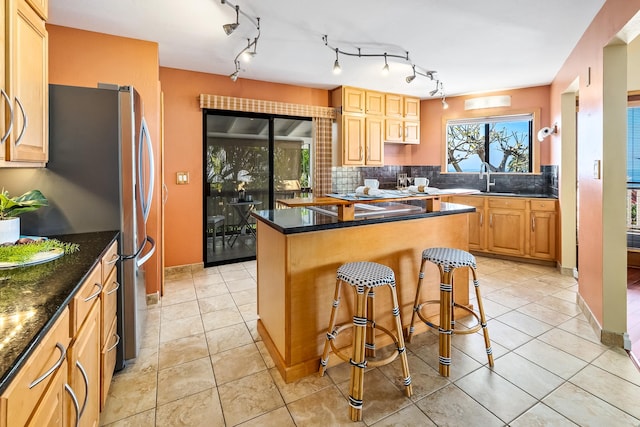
x,y
346,179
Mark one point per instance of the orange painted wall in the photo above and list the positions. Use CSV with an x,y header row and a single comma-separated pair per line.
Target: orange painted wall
x,y
183,147
589,53
83,58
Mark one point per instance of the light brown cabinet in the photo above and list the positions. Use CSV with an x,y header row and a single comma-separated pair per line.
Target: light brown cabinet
x,y
84,367
506,232
109,338
520,227
477,231
402,123
35,394
26,90
66,379
360,134
543,228
374,103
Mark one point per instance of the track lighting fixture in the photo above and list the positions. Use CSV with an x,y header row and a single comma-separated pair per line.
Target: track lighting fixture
x,y
230,28
336,65
445,105
416,71
248,52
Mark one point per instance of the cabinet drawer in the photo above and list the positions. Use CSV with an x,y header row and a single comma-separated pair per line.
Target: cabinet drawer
x,y
507,203
109,261
108,362
88,294
543,205
477,202
109,302
29,385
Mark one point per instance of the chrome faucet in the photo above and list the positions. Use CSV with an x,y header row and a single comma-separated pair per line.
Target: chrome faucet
x,y
485,171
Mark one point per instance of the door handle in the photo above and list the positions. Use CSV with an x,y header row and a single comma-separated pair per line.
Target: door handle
x,y
63,354
8,102
86,387
25,122
74,399
146,139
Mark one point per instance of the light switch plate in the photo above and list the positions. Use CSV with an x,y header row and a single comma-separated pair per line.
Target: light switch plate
x,y
182,178
596,169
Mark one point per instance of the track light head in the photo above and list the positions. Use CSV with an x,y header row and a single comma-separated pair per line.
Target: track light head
x,y
410,78
385,69
336,65
445,105
234,76
230,28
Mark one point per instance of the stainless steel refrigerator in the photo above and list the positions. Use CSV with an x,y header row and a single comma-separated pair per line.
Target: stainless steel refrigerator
x,y
100,177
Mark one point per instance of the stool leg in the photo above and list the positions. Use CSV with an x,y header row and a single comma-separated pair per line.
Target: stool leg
x,y
357,361
330,330
483,320
445,322
370,343
416,301
401,348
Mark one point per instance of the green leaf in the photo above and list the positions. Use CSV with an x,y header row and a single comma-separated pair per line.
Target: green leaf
x,y
14,206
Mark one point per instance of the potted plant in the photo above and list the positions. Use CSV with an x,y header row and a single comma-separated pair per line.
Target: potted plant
x,y
12,207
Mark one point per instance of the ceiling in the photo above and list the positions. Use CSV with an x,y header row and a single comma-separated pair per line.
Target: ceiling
x,y
475,46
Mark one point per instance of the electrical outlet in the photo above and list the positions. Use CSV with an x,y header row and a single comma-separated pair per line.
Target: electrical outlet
x,y
182,178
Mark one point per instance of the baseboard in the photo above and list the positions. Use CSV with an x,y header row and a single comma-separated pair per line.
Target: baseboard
x,y
178,270
612,339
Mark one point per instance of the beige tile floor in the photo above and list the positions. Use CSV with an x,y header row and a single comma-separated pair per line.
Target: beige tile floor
x,y
203,364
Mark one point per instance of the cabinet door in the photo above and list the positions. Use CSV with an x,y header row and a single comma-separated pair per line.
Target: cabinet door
x,y
41,7
506,231
352,140
51,411
375,103
393,105
5,102
543,235
24,392
352,100
412,132
84,370
393,131
411,108
476,220
375,144
28,87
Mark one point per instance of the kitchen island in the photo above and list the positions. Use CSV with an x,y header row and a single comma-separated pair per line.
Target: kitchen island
x,y
299,250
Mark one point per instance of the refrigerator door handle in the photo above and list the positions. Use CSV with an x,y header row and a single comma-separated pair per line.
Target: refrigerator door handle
x,y
146,139
146,257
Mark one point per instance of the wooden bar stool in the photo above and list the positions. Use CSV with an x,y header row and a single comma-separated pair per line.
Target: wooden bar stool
x,y
363,277
447,260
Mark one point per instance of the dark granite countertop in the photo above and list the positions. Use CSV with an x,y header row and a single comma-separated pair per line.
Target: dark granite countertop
x,y
43,291
301,220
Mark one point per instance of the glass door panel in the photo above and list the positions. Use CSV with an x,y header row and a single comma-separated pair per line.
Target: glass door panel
x,y
237,181
292,157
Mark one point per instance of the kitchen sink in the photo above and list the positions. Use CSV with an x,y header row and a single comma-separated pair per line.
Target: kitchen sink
x,y
371,210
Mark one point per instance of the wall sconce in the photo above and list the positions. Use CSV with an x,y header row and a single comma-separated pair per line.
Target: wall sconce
x,y
248,52
546,131
416,71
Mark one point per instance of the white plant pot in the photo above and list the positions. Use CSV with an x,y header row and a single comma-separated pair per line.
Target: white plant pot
x,y
9,230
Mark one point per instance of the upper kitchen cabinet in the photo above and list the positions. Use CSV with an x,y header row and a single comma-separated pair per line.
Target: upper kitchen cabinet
x,y
360,127
25,102
41,7
402,119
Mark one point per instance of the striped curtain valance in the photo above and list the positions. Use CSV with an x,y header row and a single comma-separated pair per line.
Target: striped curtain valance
x,y
218,102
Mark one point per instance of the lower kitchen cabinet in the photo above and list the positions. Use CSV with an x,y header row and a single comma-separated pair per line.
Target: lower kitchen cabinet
x,y
34,397
84,367
512,226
